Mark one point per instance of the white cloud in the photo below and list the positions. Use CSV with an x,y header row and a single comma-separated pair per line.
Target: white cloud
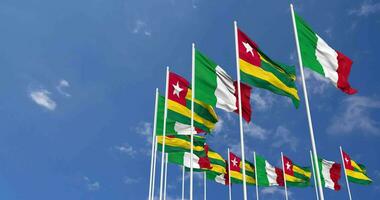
x,y
262,100
219,126
126,149
91,185
365,9
316,83
141,27
255,131
60,87
283,137
130,180
274,190
41,97
356,115
145,129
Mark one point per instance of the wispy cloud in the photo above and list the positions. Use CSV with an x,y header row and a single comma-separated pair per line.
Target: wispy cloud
x,y
274,190
219,126
91,185
130,180
61,86
140,27
365,9
262,100
145,129
316,83
355,114
255,131
42,98
283,137
126,149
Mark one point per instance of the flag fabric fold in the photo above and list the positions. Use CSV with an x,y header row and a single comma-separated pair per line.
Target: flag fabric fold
x,y
356,173
267,175
258,70
318,56
236,170
295,175
330,174
216,88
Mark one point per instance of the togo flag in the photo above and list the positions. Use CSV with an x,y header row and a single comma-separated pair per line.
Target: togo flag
x,y
216,88
295,175
356,173
330,172
267,175
318,56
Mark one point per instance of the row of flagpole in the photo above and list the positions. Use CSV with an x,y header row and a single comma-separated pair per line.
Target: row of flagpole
x,y
313,153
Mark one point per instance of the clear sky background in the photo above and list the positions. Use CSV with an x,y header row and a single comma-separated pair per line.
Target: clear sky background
x,y
77,89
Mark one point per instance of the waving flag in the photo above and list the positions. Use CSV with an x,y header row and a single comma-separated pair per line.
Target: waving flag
x,y
181,143
355,172
236,170
267,175
318,56
258,70
296,175
216,88
330,174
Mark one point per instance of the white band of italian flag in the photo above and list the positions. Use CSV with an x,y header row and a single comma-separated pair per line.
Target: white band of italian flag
x,y
330,174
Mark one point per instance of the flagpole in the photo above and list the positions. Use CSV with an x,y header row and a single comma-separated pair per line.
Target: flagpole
x,y
154,167
153,145
313,145
166,174
240,112
345,173
164,133
229,176
283,171
204,186
315,180
183,182
257,180
192,118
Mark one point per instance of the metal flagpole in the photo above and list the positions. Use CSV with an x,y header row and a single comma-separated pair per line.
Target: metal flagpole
x,y
164,133
283,171
183,182
345,173
154,166
153,145
314,148
240,112
315,180
166,174
257,180
229,176
192,118
204,186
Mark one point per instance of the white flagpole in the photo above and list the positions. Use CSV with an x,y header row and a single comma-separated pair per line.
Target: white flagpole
x,y
283,171
257,180
192,117
153,145
154,166
166,174
183,182
315,180
240,112
164,134
345,173
229,176
204,186
314,148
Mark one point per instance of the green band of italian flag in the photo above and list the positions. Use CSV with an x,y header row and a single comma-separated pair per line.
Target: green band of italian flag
x,y
318,56
216,88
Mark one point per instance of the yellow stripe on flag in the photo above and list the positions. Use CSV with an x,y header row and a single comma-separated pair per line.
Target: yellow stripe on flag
x,y
239,176
218,169
357,175
293,179
215,155
205,106
356,166
258,72
179,108
301,171
176,142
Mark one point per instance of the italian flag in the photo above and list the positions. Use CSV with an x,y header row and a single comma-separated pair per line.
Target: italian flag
x,y
267,175
216,88
219,178
318,56
330,174
184,159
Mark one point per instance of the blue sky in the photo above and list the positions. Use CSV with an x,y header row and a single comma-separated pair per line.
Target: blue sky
x,y
78,79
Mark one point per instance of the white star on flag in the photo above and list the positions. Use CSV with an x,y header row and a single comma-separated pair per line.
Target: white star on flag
x,y
346,159
288,166
177,89
234,162
248,48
